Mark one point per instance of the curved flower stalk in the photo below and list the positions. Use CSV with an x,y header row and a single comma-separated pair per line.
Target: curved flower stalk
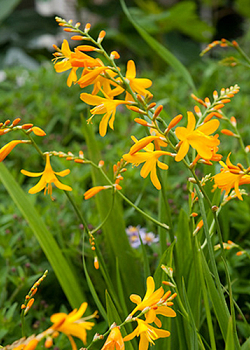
x,y
103,77
231,176
48,176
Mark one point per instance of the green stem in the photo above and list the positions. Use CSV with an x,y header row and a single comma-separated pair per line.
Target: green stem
x,y
166,227
34,144
107,216
78,213
242,53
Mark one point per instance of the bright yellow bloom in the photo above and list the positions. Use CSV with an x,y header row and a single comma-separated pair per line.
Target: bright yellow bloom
x,y
137,85
231,176
147,333
6,149
80,59
72,324
48,177
89,76
65,63
150,157
104,84
106,106
114,340
155,299
198,138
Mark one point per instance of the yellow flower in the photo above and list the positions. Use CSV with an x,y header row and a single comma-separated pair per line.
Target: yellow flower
x,y
72,324
150,157
6,149
106,106
198,138
137,85
48,177
65,63
155,300
114,340
89,76
147,333
231,176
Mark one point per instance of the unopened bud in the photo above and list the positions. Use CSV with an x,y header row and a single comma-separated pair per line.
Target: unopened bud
x,y
214,208
87,28
101,36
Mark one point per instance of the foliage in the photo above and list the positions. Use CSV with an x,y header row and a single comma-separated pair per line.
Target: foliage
x,y
186,232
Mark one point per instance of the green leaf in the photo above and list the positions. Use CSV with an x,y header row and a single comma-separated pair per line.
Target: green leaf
x,y
217,299
160,50
61,267
192,331
230,336
113,315
246,345
7,6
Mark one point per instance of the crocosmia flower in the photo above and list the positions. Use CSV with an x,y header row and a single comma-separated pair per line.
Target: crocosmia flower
x,y
114,340
231,176
106,106
148,334
138,85
65,63
149,156
72,324
199,138
48,177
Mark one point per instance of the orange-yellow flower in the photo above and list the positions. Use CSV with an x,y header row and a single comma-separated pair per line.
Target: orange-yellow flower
x,y
147,333
198,138
48,177
231,176
155,300
106,106
6,149
89,76
80,59
72,324
138,85
150,157
65,63
114,340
